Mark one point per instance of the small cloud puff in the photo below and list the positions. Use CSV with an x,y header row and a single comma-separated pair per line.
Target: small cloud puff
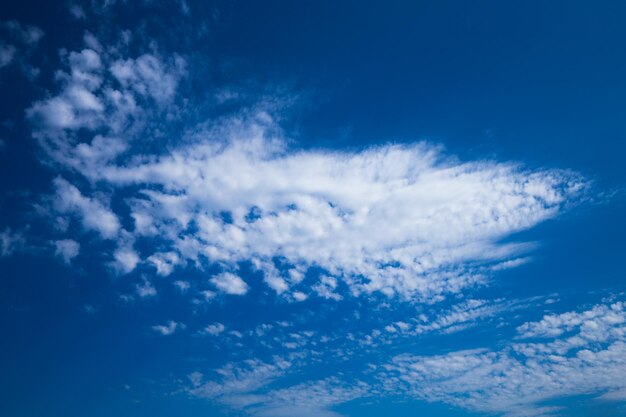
x,y
169,328
230,283
214,329
67,249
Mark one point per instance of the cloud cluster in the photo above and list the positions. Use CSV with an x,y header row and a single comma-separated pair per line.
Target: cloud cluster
x,y
235,197
395,219
108,94
237,382
402,220
169,328
10,242
248,386
67,249
17,42
577,353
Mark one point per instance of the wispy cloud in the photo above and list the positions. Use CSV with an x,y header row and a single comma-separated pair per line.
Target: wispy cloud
x,y
11,241
214,329
169,328
20,41
582,353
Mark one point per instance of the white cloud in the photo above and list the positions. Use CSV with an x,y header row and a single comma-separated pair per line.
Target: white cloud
x,y
169,328
145,289
310,399
247,386
236,382
99,91
164,262
230,283
125,259
519,378
93,214
299,296
182,286
326,288
214,329
593,324
402,220
468,313
148,76
396,219
67,249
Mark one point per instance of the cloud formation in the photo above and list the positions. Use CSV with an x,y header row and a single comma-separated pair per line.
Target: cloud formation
x,y
169,328
235,198
402,220
573,353
67,249
17,43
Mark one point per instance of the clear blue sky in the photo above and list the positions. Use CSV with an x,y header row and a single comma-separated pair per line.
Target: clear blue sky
x,y
312,208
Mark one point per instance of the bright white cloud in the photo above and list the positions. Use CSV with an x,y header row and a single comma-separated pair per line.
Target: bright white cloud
x,y
396,219
164,262
93,214
230,283
125,260
101,91
593,323
402,220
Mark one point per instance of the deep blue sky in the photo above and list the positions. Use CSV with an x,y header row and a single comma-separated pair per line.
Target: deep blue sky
x,y
520,101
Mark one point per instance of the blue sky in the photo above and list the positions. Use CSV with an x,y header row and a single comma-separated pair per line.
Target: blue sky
x,y
312,209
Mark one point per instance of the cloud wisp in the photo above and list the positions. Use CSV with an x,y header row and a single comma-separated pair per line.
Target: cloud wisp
x,y
575,353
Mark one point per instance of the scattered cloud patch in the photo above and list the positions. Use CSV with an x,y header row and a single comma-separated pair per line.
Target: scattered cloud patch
x,y
125,260
230,283
67,249
21,41
145,289
26,34
237,382
581,353
183,286
7,53
91,213
11,241
169,328
214,329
